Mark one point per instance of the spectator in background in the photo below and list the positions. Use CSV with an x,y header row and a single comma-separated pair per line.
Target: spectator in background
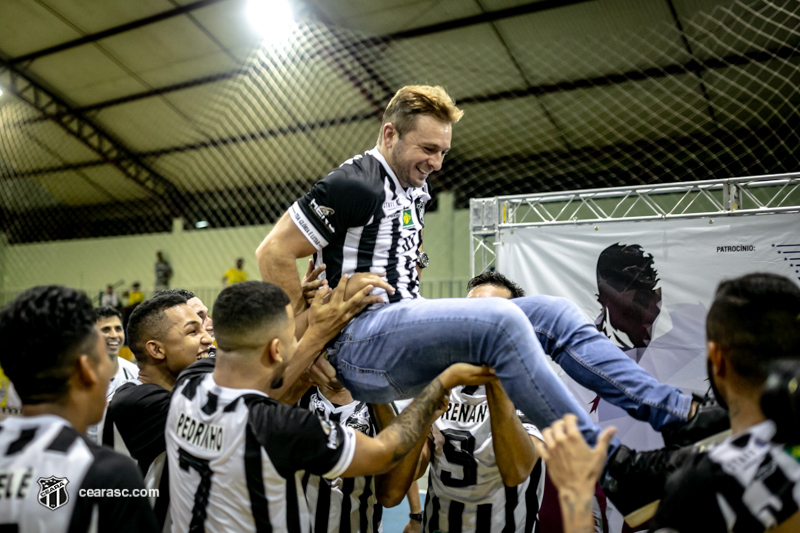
x,y
110,298
135,295
235,275
163,273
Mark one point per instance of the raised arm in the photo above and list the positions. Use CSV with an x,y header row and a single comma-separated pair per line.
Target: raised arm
x,y
380,454
277,257
513,446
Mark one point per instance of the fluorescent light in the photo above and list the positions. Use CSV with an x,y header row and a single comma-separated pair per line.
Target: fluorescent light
x,y
1,92
200,224
271,19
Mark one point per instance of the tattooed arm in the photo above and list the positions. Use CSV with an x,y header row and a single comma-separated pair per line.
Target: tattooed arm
x,y
574,469
380,454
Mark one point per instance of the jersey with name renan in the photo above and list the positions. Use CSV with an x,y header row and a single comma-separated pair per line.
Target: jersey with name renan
x,y
465,489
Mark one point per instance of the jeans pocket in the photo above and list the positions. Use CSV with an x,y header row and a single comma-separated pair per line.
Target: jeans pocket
x,y
369,384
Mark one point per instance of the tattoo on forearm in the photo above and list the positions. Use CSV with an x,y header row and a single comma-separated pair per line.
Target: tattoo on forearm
x,y
406,429
577,512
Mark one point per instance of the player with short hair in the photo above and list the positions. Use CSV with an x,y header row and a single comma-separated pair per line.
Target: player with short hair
x,y
166,336
368,216
237,456
751,480
109,324
57,360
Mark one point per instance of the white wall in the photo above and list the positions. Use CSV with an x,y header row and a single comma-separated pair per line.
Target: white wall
x,y
198,258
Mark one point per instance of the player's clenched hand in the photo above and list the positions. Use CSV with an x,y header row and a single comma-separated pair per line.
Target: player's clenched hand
x,y
572,465
466,374
322,373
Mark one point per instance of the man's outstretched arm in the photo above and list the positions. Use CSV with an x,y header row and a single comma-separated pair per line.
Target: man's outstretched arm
x,y
382,453
277,257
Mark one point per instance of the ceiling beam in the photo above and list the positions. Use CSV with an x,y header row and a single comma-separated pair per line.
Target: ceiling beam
x,y
758,56
90,135
116,30
345,45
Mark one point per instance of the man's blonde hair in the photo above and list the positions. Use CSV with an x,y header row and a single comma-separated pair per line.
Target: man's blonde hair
x,y
413,100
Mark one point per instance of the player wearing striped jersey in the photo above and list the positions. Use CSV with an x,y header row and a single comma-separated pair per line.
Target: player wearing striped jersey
x,y
52,478
751,481
469,487
237,456
166,336
109,324
342,505
368,216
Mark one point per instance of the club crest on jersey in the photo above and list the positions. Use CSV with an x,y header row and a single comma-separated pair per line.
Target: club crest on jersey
x,y
408,219
53,492
332,431
421,212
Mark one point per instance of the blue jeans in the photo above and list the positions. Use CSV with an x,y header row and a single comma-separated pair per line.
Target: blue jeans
x,y
395,351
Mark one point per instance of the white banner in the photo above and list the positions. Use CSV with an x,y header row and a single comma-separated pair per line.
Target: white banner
x,y
652,307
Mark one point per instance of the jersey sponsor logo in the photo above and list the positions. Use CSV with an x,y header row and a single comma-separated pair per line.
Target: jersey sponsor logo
x,y
390,205
15,484
53,492
408,219
464,412
322,213
196,433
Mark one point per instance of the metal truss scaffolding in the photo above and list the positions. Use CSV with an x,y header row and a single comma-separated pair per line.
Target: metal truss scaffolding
x,y
110,150
490,218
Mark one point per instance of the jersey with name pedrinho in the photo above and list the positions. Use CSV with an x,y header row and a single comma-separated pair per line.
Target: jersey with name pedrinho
x,y
465,490
46,467
360,219
236,458
342,505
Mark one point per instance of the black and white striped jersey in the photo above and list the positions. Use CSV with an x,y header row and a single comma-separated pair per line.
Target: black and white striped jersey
x,y
45,468
126,371
342,505
465,490
134,426
747,483
237,457
360,219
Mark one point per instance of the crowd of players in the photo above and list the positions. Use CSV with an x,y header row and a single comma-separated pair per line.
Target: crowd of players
x,y
277,415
